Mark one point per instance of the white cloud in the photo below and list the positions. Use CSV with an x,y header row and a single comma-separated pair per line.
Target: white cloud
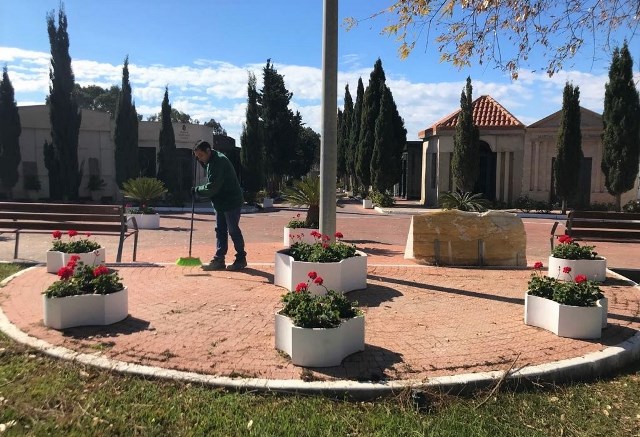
x,y
212,89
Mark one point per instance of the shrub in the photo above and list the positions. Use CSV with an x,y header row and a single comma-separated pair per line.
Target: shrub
x,y
632,206
463,201
383,200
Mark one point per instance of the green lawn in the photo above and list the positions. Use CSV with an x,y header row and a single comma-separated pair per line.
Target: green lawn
x,y
44,396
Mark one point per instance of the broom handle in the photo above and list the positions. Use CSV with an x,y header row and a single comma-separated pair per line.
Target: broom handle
x,y
193,206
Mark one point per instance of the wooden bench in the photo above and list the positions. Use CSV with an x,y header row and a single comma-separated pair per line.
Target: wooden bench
x,y
35,218
601,226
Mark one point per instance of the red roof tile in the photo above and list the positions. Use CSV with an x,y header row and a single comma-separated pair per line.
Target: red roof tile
x,y
487,113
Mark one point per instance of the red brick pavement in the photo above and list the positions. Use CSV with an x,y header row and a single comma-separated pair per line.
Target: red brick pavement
x,y
421,321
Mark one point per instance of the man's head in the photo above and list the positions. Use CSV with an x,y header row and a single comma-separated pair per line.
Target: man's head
x,y
202,151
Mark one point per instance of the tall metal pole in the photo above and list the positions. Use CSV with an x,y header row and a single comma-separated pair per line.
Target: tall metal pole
x,y
329,134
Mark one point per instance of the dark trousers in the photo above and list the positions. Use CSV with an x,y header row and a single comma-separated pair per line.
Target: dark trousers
x,y
228,225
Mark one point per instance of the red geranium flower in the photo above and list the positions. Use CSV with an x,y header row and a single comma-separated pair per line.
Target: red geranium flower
x,y
339,235
88,234
566,269
100,270
65,272
538,265
318,280
580,279
57,235
312,275
72,233
565,239
302,286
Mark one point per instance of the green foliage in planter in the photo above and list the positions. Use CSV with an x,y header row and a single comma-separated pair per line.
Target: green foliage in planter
x,y
322,251
632,206
95,183
78,279
463,201
306,192
569,249
31,182
383,200
581,292
312,311
296,223
82,245
143,190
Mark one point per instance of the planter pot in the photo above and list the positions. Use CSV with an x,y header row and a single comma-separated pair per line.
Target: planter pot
x,y
347,275
319,347
85,310
294,235
146,221
565,320
267,202
367,204
593,269
56,260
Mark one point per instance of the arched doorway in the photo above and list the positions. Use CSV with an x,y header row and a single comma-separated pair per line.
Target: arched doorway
x,y
486,183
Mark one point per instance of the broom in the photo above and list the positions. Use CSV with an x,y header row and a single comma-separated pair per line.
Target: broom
x,y
190,261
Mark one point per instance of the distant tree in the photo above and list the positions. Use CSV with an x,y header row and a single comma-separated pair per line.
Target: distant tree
x,y
279,132
381,178
167,152
96,98
370,110
569,147
251,152
339,144
307,150
351,158
483,29
10,130
464,163
399,142
175,117
61,155
126,132
344,137
217,127
621,119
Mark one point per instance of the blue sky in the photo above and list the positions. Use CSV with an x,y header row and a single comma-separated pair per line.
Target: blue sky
x,y
202,51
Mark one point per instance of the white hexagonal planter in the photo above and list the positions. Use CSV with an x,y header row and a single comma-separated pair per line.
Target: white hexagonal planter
x,y
593,269
319,347
566,320
56,260
146,221
85,310
295,235
347,275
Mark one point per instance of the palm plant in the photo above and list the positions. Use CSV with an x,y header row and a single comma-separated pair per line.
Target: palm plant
x,y
306,192
144,190
464,201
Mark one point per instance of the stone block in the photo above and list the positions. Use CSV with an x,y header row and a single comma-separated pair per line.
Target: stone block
x,y
459,238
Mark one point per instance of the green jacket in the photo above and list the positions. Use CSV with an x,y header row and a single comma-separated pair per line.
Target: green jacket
x,y
222,185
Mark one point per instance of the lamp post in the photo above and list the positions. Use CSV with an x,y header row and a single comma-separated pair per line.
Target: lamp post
x,y
329,134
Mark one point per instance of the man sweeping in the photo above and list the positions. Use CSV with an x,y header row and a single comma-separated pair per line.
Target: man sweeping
x,y
224,190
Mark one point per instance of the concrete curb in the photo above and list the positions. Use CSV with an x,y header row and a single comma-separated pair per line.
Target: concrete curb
x,y
585,367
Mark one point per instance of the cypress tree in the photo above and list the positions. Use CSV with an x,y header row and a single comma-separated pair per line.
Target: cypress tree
x,y
465,144
340,145
251,152
10,130
621,119
351,157
370,110
61,155
569,146
383,148
279,133
344,143
126,132
167,150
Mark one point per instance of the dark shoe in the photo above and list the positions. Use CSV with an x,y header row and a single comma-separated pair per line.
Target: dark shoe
x,y
238,264
215,264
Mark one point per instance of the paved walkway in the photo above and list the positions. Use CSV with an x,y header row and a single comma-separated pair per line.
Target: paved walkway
x,y
423,323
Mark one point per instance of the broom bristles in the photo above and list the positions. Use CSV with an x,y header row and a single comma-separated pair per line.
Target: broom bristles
x,y
189,261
